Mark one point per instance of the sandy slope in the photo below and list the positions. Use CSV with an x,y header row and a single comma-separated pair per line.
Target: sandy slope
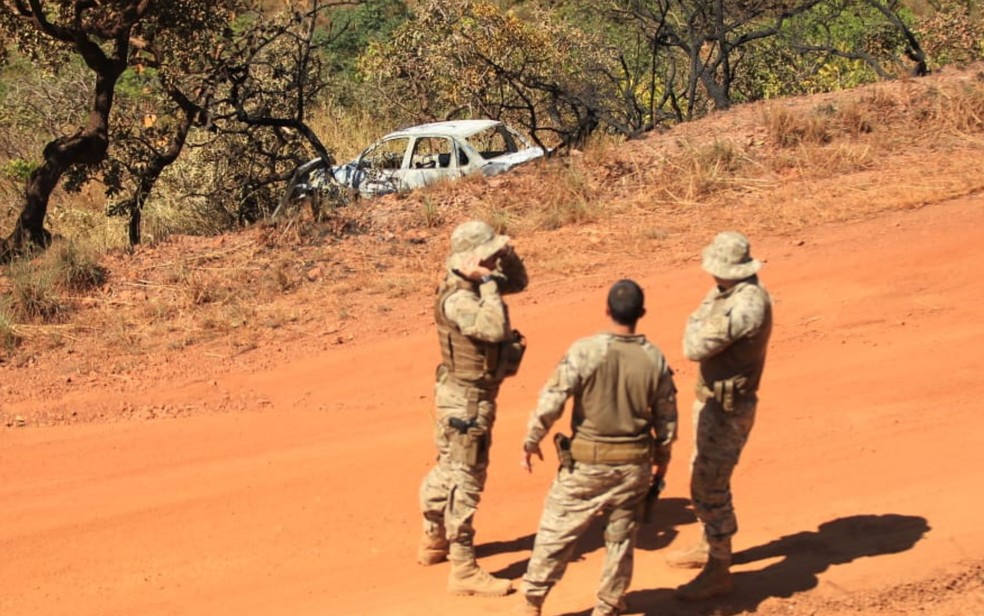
x,y
857,492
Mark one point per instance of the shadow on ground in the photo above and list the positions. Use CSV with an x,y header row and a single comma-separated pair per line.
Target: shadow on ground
x,y
804,556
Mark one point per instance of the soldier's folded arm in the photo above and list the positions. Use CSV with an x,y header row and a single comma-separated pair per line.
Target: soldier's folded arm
x,y
709,335
748,314
706,337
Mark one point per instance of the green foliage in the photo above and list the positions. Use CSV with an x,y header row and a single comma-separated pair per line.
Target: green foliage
x,y
353,29
834,46
137,83
773,69
954,33
17,169
476,60
36,105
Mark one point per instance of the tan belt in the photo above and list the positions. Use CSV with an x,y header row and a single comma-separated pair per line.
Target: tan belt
x,y
591,452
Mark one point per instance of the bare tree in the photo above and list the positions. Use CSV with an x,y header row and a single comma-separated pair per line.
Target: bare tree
x,y
100,34
109,37
471,58
885,39
711,35
249,87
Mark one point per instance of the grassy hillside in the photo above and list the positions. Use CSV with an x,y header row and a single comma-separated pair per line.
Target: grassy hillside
x,y
771,168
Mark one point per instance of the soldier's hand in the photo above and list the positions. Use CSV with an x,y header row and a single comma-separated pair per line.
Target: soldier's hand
x,y
472,269
528,452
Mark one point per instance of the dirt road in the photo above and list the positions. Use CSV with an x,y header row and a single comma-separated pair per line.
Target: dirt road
x,y
857,493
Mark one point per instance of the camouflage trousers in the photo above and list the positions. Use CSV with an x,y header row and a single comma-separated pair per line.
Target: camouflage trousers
x,y
720,437
450,492
575,498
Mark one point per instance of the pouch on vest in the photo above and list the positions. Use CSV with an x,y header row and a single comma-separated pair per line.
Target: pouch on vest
x,y
511,354
726,392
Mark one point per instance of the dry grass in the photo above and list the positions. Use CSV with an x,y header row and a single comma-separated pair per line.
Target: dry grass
x,y
777,167
9,337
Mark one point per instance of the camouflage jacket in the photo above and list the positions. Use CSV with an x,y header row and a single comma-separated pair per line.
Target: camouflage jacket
x,y
622,390
729,333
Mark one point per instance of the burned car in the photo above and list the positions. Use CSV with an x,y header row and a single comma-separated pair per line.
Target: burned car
x,y
419,156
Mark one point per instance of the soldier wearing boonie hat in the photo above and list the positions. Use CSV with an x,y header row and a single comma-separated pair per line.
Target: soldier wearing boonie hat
x,y
728,257
479,349
728,336
475,240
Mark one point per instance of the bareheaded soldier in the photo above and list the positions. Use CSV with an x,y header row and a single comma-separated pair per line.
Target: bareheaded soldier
x,y
479,349
728,335
623,419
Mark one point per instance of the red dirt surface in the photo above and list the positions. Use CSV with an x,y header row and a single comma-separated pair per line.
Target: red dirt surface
x,y
858,492
239,425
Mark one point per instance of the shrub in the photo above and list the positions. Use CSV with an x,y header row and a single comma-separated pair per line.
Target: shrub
x,y
75,266
9,338
35,291
787,129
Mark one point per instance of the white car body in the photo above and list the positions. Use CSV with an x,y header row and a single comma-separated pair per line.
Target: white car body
x,y
429,153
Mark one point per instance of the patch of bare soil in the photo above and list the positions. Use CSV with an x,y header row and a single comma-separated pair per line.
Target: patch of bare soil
x,y
240,424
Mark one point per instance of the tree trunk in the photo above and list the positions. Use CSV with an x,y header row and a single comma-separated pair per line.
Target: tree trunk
x,y
86,147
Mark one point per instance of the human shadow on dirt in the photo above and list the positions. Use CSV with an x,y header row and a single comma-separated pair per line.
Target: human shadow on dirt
x,y
804,556
669,513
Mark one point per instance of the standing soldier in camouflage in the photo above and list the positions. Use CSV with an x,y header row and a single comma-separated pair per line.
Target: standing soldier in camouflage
x,y
728,335
624,422
478,350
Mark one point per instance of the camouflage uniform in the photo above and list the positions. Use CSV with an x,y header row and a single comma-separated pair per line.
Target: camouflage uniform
x,y
473,322
728,335
624,400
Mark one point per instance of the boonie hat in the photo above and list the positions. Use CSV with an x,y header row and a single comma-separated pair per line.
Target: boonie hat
x,y
476,237
728,257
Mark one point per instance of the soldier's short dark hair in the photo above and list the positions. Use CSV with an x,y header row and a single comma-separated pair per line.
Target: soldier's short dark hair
x,y
626,302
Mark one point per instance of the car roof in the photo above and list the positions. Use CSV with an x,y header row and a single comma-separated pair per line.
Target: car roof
x,y
453,128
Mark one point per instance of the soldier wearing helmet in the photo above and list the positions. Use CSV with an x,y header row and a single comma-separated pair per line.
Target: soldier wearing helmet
x,y
728,336
479,349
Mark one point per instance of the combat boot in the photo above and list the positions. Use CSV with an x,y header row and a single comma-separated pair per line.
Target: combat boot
x,y
532,606
714,580
467,578
602,608
694,557
433,549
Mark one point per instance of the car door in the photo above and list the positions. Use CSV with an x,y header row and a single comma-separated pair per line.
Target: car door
x,y
381,167
432,160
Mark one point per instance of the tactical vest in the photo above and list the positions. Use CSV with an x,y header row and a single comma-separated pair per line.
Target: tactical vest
x,y
736,371
614,421
466,359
